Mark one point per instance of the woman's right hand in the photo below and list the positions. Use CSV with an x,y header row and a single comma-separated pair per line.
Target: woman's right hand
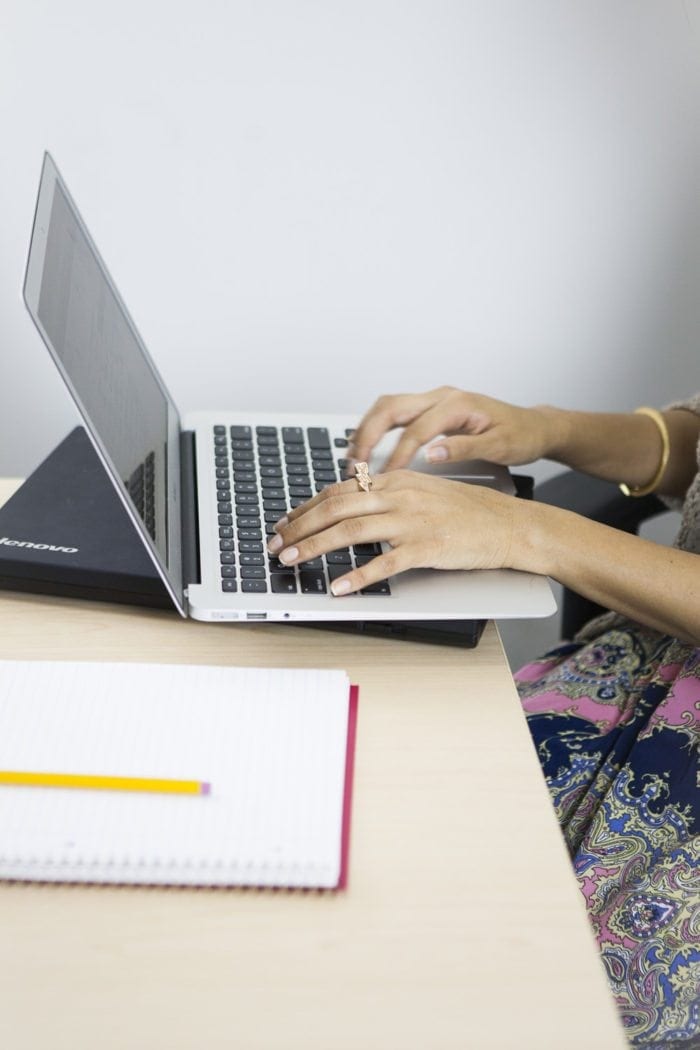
x,y
475,427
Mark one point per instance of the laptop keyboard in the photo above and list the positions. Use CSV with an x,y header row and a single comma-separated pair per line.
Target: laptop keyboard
x,y
262,472
141,488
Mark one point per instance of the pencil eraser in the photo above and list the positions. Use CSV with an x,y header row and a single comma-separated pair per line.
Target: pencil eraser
x,y
205,789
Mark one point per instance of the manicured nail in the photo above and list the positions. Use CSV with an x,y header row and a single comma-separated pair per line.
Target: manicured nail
x,y
340,587
435,453
291,554
281,523
275,544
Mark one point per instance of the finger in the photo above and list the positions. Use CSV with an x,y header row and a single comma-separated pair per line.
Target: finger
x,y
339,488
457,449
380,568
348,533
346,506
387,413
449,415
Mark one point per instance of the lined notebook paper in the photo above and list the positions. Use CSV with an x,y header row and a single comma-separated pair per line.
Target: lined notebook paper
x,y
276,746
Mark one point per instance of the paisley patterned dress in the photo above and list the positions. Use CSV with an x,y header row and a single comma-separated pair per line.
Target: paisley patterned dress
x,y
615,718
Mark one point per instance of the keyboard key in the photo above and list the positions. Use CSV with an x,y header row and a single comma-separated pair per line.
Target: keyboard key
x,y
219,429
367,549
242,446
341,557
304,491
246,499
271,483
244,476
325,475
223,484
318,437
334,571
225,519
230,586
225,545
321,455
252,559
276,566
266,431
269,461
228,571
252,572
283,583
221,461
245,486
227,558
273,494
295,457
223,508
248,521
273,516
275,504
222,472
241,456
254,586
240,433
312,563
219,440
341,442
298,501
249,547
225,532
380,587
268,440
249,534
312,582
271,472
297,468
292,436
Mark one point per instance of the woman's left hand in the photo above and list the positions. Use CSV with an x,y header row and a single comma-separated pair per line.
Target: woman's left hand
x,y
428,522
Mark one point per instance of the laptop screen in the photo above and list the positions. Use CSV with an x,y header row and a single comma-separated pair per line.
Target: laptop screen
x,y
98,350
97,347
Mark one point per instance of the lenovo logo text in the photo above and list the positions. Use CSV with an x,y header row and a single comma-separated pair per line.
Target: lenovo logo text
x,y
5,542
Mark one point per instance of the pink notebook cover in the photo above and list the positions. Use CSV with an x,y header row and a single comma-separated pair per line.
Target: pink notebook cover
x,y
347,797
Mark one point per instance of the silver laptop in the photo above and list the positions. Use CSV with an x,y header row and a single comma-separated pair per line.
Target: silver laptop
x,y
204,490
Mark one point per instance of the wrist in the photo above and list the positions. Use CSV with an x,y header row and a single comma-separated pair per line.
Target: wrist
x,y
555,428
534,546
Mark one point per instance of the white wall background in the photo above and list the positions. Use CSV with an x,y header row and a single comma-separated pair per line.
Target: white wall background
x,y
311,202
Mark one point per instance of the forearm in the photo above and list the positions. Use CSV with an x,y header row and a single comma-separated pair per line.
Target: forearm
x,y
623,446
653,584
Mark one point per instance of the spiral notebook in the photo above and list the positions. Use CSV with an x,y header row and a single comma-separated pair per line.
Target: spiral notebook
x,y
273,748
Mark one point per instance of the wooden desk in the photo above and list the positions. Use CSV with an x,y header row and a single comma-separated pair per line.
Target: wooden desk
x,y
462,926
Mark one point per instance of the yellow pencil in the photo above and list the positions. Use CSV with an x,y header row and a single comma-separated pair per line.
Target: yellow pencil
x,y
100,783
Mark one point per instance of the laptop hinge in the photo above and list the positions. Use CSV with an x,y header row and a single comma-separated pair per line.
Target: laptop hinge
x,y
191,572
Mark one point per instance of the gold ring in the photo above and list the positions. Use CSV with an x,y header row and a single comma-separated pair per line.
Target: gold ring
x,y
362,476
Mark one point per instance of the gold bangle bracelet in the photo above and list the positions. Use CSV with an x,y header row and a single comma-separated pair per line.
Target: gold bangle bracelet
x,y
665,452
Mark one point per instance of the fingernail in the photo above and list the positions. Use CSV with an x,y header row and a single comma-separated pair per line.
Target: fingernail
x,y
291,554
281,523
340,587
435,453
275,543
